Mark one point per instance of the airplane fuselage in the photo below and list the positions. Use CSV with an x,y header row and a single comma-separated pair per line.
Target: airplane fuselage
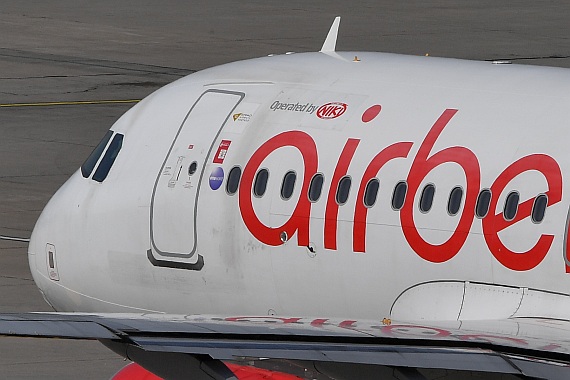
x,y
321,185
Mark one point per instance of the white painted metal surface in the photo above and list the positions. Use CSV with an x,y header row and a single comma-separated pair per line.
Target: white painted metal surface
x,y
491,126
173,206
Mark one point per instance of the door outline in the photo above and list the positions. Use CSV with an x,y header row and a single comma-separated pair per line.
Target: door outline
x,y
182,260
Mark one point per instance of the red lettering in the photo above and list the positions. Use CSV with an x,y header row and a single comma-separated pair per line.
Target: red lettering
x,y
421,166
348,324
493,224
414,330
331,110
263,319
299,220
397,150
318,322
423,163
331,213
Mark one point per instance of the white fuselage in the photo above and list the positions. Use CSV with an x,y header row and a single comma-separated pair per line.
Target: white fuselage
x,y
136,241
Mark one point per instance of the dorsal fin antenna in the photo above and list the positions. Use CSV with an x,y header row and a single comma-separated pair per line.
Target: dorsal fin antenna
x,y
330,42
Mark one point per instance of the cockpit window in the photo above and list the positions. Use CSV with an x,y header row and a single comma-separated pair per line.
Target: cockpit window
x,y
91,161
109,158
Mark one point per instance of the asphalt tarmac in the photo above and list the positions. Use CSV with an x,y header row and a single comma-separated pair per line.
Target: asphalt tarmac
x,y
62,61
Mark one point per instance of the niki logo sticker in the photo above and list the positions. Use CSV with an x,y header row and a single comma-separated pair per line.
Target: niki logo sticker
x,y
331,110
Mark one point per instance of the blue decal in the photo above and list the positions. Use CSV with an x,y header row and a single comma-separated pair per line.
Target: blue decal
x,y
216,178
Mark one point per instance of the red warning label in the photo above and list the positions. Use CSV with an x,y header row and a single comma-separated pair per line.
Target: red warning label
x,y
222,151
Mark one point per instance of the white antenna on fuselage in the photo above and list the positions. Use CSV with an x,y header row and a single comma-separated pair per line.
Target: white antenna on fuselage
x,y
330,42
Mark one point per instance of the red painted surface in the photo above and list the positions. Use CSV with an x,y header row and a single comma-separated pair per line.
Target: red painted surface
x,y
133,371
243,372
222,151
371,113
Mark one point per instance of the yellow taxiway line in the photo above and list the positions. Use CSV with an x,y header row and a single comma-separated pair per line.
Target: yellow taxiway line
x,y
72,103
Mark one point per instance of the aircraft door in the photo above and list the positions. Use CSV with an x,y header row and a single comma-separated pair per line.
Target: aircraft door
x,y
177,186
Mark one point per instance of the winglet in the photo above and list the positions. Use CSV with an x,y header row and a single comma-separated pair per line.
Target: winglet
x,y
330,43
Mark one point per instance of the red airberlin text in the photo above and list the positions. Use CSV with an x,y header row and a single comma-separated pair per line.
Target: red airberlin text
x,y
423,163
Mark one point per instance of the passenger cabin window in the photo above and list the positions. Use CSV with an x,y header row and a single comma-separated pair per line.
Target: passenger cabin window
x,y
91,161
539,208
109,158
483,202
426,199
399,195
233,180
343,190
371,192
511,205
455,198
260,184
316,187
288,185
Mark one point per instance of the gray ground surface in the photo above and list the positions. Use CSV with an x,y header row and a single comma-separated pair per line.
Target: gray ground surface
x,y
81,50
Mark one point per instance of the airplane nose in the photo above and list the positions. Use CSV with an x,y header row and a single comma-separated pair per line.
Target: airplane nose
x,y
42,256
46,248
